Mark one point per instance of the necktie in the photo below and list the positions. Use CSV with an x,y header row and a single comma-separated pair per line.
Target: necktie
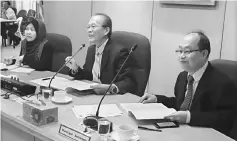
x,y
188,98
96,68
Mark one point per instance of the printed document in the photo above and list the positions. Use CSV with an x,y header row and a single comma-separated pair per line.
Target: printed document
x,y
106,110
147,111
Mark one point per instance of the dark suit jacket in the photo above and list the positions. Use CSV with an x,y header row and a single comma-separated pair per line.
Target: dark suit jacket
x,y
213,101
45,61
112,59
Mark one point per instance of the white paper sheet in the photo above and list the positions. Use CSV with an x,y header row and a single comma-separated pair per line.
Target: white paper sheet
x,y
23,70
148,111
106,110
63,83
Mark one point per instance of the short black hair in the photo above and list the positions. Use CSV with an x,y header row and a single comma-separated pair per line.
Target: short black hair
x,y
204,42
107,22
8,2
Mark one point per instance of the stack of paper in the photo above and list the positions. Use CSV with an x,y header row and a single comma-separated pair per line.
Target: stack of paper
x,y
148,111
106,110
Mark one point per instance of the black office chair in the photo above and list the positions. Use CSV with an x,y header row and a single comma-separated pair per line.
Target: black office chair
x,y
15,10
140,58
62,47
230,69
21,13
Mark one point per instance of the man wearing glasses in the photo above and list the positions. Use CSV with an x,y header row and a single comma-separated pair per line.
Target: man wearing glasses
x,y
203,95
103,60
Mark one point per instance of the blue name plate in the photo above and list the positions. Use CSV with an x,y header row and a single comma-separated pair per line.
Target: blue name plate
x,y
73,134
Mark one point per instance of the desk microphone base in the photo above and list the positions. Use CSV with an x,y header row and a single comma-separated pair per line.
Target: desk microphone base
x,y
91,122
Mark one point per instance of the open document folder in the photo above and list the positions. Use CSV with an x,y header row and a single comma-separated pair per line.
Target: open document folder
x,y
63,83
147,111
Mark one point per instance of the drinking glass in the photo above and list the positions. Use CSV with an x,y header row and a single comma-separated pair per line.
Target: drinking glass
x,y
103,129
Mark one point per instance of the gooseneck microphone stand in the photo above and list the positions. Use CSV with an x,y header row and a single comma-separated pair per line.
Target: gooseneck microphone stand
x,y
92,121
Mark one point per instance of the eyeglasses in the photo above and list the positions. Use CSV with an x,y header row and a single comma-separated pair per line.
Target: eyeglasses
x,y
186,52
93,26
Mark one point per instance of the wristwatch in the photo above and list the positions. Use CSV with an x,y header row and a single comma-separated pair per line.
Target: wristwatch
x,y
114,89
74,71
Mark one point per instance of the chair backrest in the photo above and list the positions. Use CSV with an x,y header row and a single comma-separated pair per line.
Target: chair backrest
x,y
230,69
140,58
227,67
62,47
14,9
31,13
21,13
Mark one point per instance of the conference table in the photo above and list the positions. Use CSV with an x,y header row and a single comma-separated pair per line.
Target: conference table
x,y
15,127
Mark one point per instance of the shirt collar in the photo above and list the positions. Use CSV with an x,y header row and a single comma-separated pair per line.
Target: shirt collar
x,y
198,74
100,49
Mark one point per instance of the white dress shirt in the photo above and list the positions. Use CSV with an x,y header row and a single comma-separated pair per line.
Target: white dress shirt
x,y
10,14
97,63
197,76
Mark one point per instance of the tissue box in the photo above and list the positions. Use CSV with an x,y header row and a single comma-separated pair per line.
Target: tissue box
x,y
39,114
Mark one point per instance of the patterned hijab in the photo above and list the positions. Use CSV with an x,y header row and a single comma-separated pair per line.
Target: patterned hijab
x,y
35,47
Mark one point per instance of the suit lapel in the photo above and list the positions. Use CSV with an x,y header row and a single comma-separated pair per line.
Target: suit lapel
x,y
182,89
91,57
105,55
203,85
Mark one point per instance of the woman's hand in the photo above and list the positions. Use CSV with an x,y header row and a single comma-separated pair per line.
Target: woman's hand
x,y
9,60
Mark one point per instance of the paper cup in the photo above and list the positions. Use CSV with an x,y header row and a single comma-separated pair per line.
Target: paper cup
x,y
125,132
59,95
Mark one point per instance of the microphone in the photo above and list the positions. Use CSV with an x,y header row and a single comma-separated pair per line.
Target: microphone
x,y
91,121
82,46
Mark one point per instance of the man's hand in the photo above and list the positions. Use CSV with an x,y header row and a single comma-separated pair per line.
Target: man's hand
x,y
72,63
179,116
148,98
100,88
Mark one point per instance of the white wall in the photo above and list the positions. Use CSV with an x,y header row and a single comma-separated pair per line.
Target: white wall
x,y
134,16
169,25
69,18
229,50
171,22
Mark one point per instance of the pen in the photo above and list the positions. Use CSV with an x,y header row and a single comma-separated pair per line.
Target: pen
x,y
46,78
145,128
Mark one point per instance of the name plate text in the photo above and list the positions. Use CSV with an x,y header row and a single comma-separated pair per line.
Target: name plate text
x,y
73,134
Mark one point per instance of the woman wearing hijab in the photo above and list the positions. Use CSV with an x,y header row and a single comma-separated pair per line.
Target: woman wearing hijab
x,y
36,51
